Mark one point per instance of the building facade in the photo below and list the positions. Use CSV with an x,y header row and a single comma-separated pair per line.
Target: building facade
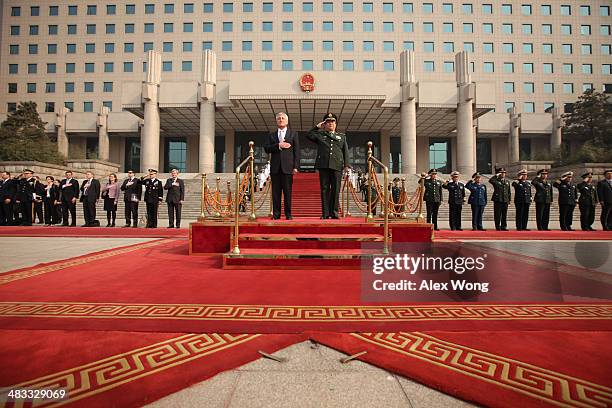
x,y
448,84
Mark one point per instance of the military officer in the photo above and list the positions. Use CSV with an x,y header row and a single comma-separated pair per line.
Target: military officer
x,y
522,200
154,194
604,194
567,200
456,198
587,202
432,196
332,159
25,196
543,199
477,200
501,198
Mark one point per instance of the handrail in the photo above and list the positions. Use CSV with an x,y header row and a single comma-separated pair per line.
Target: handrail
x,y
421,193
202,217
371,160
250,158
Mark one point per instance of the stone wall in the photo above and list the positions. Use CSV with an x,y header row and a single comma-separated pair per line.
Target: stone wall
x,y
580,168
532,167
79,167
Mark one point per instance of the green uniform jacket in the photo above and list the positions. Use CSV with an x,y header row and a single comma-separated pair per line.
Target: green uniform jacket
x,y
433,191
501,190
588,194
544,193
332,152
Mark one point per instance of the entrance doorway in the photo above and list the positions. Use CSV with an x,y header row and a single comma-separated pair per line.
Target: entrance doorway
x,y
176,154
440,155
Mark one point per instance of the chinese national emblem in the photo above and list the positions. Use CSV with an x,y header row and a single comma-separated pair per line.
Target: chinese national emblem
x,y
307,82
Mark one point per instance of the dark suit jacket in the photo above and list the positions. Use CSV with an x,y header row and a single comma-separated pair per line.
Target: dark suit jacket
x,y
154,191
8,189
93,192
283,161
25,190
604,192
133,189
175,193
69,190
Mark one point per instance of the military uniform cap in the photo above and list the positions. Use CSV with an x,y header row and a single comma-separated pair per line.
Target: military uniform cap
x,y
588,174
500,170
432,171
454,173
330,117
523,172
607,171
152,171
476,175
567,174
542,171
27,171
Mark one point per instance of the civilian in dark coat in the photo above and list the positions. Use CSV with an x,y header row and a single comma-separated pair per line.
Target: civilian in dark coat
x,y
284,148
39,190
69,193
8,191
604,195
50,197
175,198
132,193
90,194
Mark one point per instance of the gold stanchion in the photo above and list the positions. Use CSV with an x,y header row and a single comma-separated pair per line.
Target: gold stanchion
x,y
269,181
218,195
421,193
252,216
404,214
347,213
203,201
369,214
236,249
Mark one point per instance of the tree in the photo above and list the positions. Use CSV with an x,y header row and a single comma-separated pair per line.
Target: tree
x,y
23,137
590,122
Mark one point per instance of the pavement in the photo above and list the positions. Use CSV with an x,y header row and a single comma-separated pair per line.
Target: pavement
x,y
312,376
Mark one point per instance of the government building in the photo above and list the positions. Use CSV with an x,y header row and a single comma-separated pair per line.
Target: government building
x,y
455,85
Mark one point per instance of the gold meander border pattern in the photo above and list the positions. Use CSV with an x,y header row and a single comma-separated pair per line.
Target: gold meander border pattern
x,y
546,385
403,313
39,270
111,372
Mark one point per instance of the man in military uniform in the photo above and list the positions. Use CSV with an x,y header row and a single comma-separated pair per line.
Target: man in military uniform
x,y
604,194
456,198
567,200
543,199
332,158
432,196
501,198
154,194
478,200
587,202
25,196
522,200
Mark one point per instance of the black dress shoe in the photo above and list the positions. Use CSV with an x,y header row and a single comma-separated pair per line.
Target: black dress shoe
x,y
335,217
126,226
276,218
592,229
459,229
504,229
289,217
570,229
481,229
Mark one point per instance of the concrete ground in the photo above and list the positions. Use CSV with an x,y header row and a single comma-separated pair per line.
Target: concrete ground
x,y
312,376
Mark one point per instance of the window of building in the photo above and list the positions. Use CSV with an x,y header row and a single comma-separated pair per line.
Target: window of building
x,y
348,46
587,69
168,27
207,27
228,26
109,66
206,45
468,27
266,65
488,67
33,30
266,26
51,48
587,49
14,49
168,46
368,65
32,68
528,107
508,87
69,106
307,46
88,87
449,67
287,26
566,29
208,7
546,9
247,46
15,11
90,67
368,26
468,47
328,65
307,65
87,106
606,69
548,68
109,48
427,8
529,87
266,45
328,45
547,29
328,26
527,29
487,48
389,65
428,27
568,88
247,26
409,45
148,46
128,66
388,46
167,66
13,69
33,49
287,65
287,45
566,10
604,29
31,87
408,8
51,68
186,66
328,7
307,7
90,48
528,67
428,66
72,10
547,48
568,68
348,65
549,87
70,67
448,47
14,30
347,7
90,29
246,65
585,29
53,29
508,67
428,47
567,49
12,87
606,49
506,9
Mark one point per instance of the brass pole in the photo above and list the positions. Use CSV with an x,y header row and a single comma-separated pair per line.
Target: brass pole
x,y
421,193
203,200
252,217
386,198
348,203
403,208
369,214
218,195
229,196
269,184
236,249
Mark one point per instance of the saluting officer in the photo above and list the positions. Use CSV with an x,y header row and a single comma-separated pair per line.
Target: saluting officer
x,y
332,159
587,202
432,196
154,194
501,198
478,200
543,199
25,196
604,193
567,200
456,198
522,200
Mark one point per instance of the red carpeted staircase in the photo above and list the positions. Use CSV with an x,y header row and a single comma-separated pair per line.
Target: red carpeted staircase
x,y
306,196
301,243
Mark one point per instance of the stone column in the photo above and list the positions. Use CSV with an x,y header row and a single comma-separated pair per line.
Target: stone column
x,y
103,141
385,147
465,123
408,112
513,136
230,138
149,139
207,112
557,124
62,135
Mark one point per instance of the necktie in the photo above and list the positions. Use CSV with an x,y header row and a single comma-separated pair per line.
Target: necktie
x,y
281,136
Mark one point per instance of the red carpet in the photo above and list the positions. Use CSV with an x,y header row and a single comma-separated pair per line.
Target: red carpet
x,y
496,369
305,196
522,235
124,369
94,232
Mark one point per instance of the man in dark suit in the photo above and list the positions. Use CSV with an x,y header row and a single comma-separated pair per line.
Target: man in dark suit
x,y
456,198
154,194
8,190
332,158
25,196
543,199
284,147
69,189
132,193
174,198
604,195
90,194
39,192
522,200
